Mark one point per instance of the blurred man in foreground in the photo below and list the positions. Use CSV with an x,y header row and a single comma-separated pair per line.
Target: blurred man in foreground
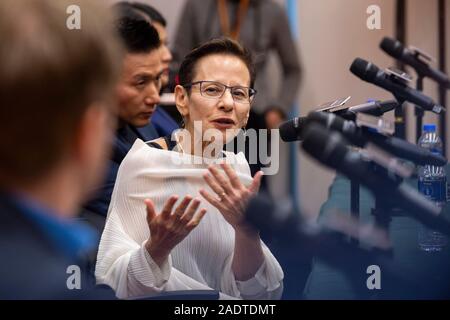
x,y
57,123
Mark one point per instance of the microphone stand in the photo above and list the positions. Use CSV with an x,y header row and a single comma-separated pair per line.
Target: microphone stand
x,y
399,119
383,210
331,247
354,203
419,112
403,80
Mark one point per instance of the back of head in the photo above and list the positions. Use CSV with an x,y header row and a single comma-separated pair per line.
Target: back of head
x,y
140,10
135,29
154,15
49,75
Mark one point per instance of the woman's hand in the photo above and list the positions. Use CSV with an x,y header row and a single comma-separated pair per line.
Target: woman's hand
x,y
168,228
232,196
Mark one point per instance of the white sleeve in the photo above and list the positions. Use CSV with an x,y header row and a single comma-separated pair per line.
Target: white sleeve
x,y
267,283
128,269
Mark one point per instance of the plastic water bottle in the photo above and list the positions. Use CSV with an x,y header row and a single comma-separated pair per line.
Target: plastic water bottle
x,y
433,184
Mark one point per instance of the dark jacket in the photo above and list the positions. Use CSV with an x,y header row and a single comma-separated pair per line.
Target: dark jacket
x,y
34,258
124,140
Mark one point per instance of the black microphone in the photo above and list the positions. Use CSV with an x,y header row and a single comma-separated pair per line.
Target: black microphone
x,y
396,49
330,148
369,72
361,136
290,130
374,108
330,245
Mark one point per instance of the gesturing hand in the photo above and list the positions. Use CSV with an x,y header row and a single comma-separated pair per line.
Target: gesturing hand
x,y
167,229
233,196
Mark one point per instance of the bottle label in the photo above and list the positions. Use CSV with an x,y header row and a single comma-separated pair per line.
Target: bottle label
x,y
435,190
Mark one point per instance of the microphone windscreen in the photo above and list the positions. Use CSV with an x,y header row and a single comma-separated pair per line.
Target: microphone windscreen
x,y
363,69
392,47
329,147
292,130
329,120
274,219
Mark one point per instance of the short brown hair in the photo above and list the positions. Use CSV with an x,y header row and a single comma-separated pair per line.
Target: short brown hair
x,y
214,46
49,75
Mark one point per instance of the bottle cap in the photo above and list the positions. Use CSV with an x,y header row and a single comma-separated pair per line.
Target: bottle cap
x,y
429,128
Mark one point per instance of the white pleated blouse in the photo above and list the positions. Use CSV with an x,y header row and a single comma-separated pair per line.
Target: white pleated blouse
x,y
200,261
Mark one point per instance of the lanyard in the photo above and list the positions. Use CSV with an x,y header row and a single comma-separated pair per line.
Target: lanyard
x,y
225,21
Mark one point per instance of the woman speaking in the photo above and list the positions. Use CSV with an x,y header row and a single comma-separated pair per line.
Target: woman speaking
x,y
152,242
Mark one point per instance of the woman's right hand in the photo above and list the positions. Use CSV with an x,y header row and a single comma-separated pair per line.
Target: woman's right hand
x,y
171,226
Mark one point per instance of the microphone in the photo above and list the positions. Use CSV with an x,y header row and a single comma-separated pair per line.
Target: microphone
x,y
369,72
361,136
395,49
374,108
329,244
291,130
272,218
330,148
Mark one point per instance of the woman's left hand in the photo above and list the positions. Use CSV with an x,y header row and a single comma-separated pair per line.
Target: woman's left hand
x,y
232,196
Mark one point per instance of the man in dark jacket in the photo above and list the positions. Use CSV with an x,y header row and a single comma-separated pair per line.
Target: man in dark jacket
x,y
138,96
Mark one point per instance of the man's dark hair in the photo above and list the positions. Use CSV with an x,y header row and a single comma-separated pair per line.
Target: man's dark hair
x,y
138,35
150,12
124,9
216,46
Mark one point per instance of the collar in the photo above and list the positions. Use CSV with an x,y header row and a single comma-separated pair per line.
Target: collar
x,y
71,237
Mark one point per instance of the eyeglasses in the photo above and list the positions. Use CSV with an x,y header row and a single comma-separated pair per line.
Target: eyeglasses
x,y
216,90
